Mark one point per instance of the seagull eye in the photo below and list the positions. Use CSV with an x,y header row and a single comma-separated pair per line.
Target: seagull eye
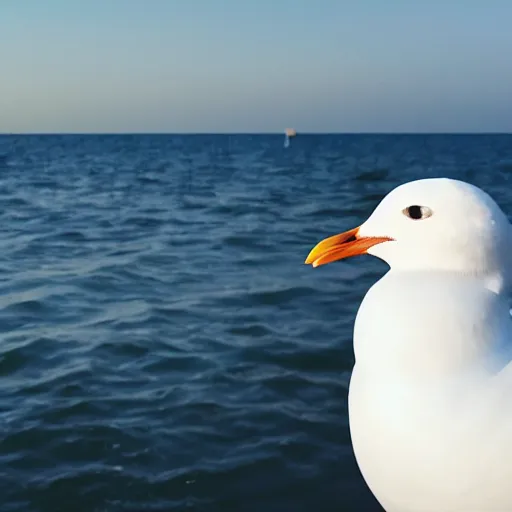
x,y
416,212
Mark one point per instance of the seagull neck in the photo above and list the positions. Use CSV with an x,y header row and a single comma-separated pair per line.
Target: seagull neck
x,y
428,323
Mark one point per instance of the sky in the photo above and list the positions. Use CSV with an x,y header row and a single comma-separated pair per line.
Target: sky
x,y
180,66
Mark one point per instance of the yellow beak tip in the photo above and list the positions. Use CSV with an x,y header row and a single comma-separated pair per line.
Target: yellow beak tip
x,y
311,261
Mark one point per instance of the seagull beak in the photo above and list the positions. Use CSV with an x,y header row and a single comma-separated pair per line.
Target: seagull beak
x,y
342,246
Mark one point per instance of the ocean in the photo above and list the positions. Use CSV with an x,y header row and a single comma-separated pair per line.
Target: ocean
x,y
163,346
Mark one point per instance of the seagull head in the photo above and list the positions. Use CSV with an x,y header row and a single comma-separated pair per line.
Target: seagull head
x,y
431,224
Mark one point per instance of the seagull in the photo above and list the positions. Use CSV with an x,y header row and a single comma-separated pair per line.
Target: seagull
x,y
430,396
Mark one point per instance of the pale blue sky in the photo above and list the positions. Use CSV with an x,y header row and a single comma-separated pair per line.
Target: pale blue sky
x,y
255,66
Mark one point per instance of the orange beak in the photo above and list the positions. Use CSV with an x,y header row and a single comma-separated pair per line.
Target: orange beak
x,y
342,246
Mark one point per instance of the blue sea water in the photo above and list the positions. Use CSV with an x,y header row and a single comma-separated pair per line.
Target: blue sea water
x,y
163,347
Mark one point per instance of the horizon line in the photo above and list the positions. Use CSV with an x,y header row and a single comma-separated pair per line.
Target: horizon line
x,y
193,133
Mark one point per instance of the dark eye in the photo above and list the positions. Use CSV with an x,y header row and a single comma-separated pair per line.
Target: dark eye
x,y
416,212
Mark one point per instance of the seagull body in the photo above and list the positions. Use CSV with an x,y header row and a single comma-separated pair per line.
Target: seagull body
x,y
430,398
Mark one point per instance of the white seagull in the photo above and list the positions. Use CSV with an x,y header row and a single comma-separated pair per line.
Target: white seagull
x,y
430,399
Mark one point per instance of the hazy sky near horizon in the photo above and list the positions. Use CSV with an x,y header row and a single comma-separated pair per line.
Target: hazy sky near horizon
x,y
255,66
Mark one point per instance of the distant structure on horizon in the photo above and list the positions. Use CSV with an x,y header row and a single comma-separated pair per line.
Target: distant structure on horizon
x,y
289,132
